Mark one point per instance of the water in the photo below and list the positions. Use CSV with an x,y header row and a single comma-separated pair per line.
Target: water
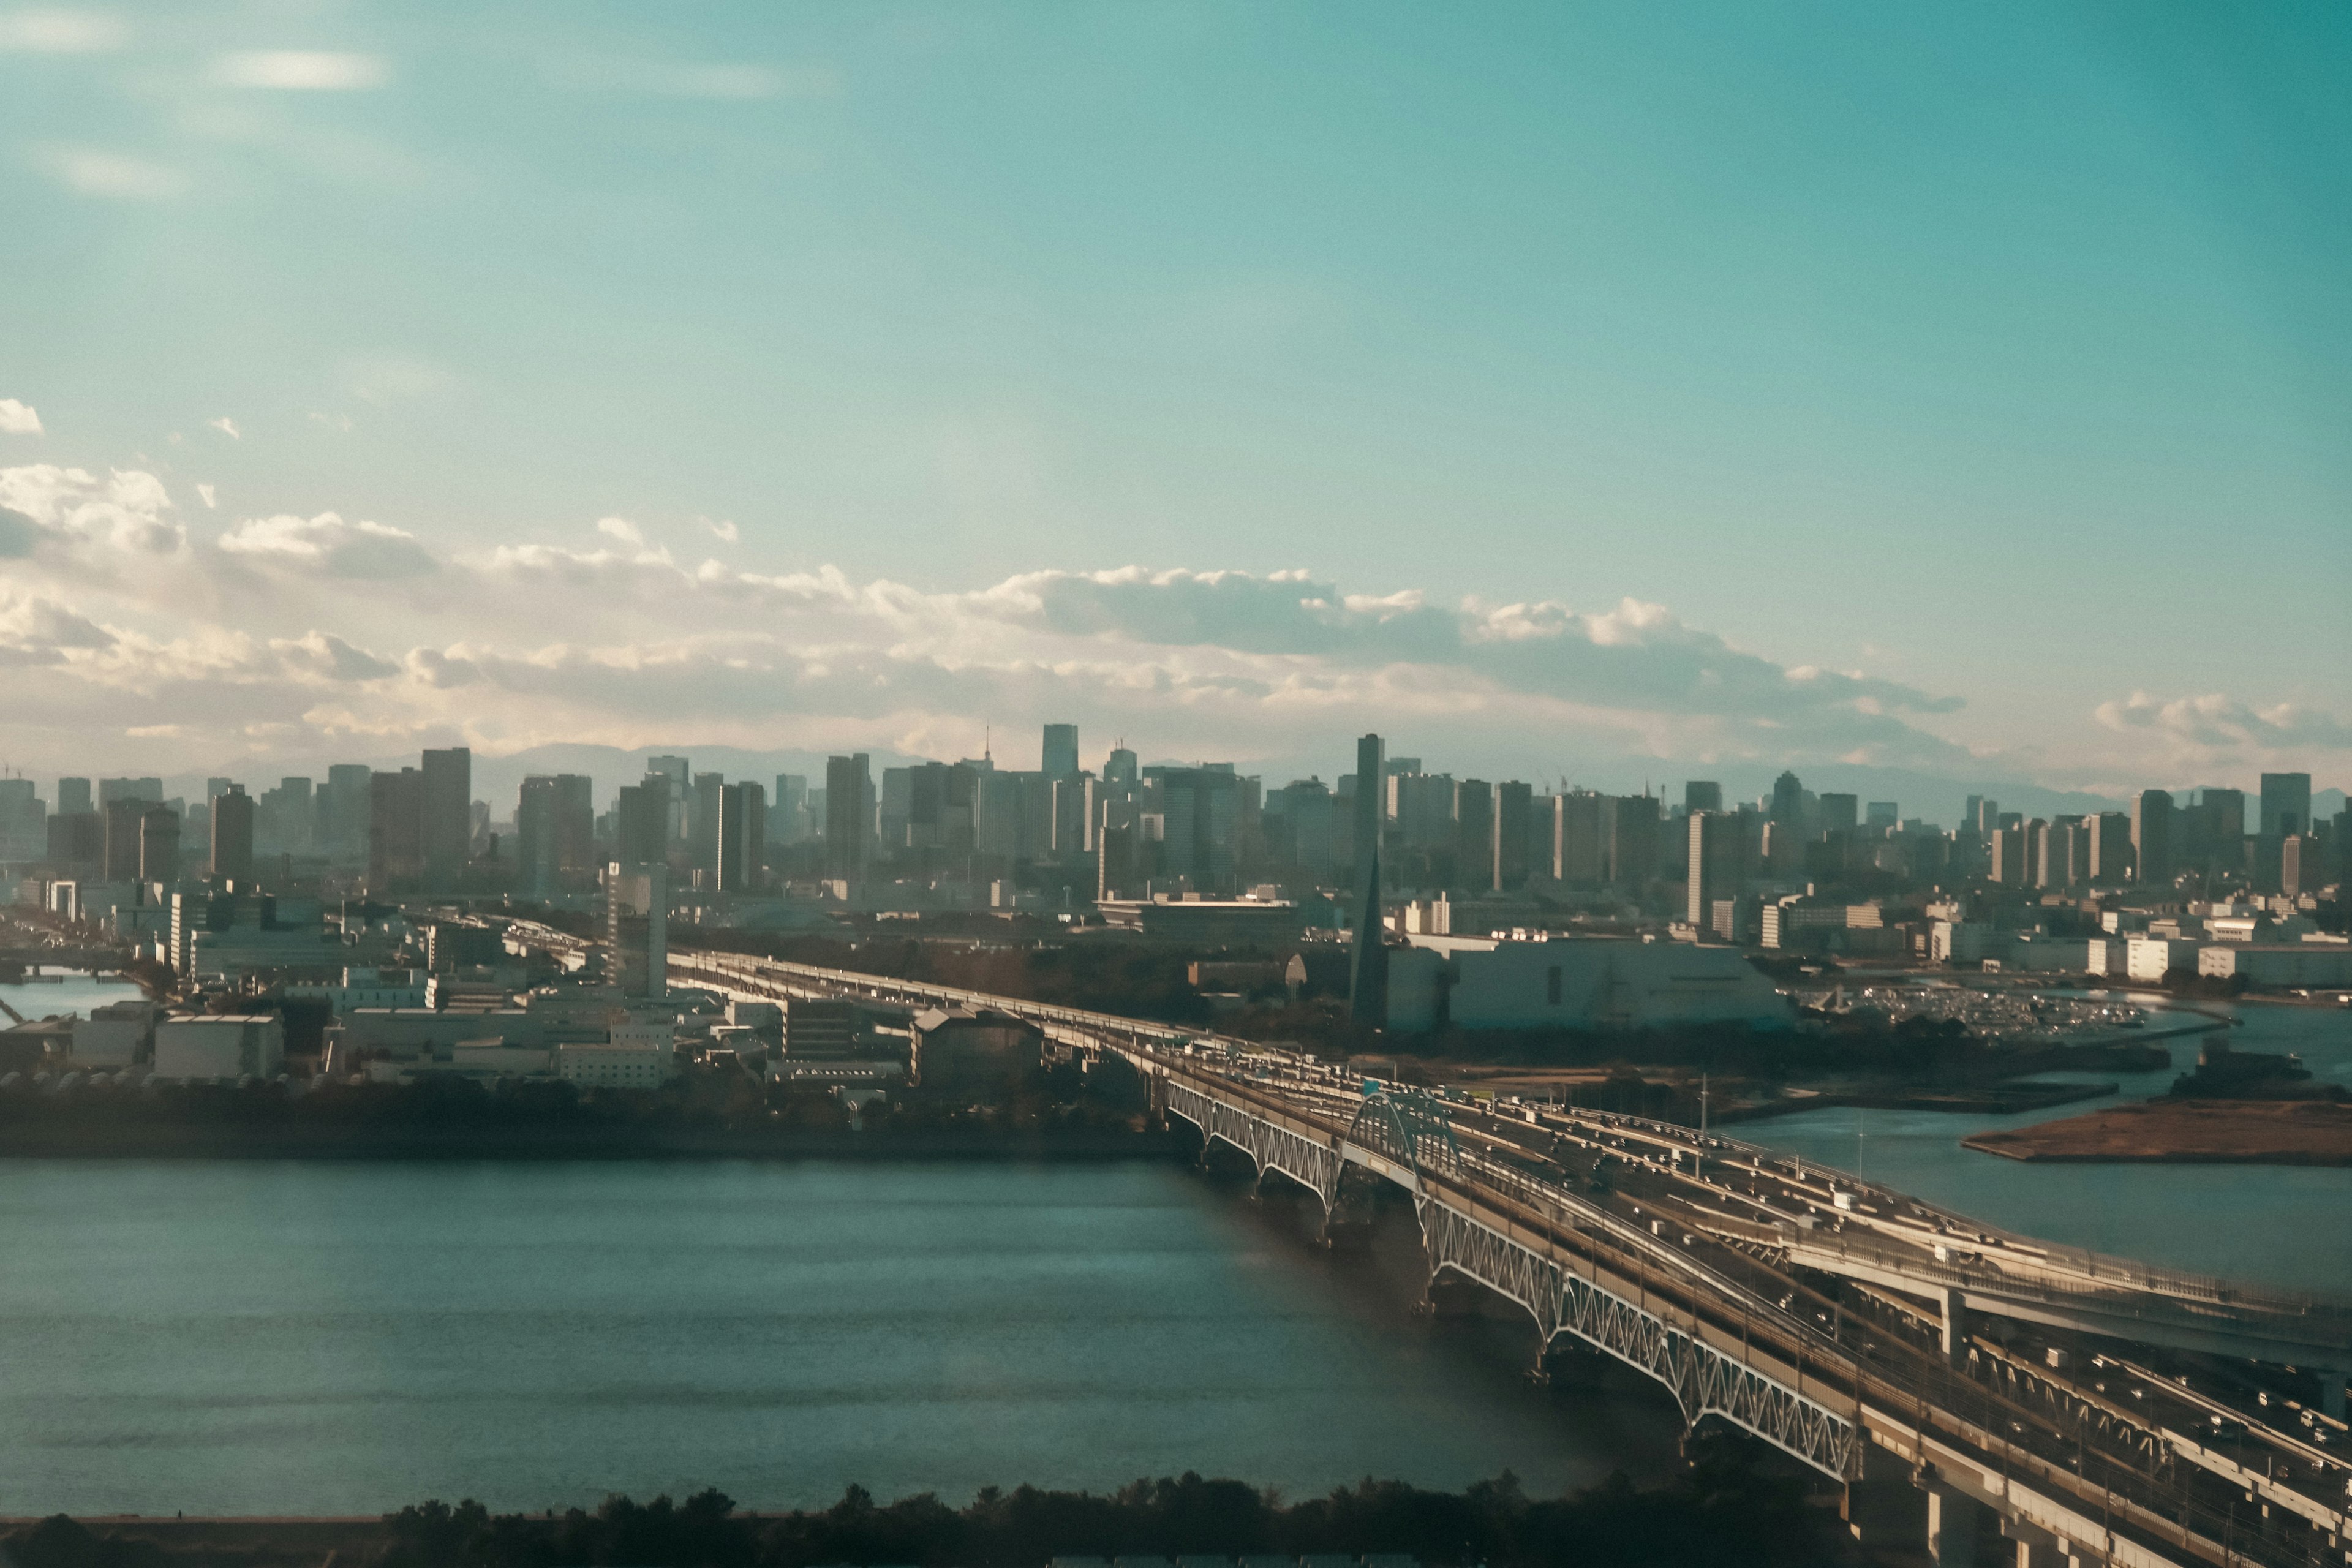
x,y
258,1337
77,994
2284,1225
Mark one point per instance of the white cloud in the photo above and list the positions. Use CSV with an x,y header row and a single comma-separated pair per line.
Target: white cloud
x,y
44,30
205,494
327,546
226,426
18,419
2216,723
117,176
129,512
727,531
621,529
300,70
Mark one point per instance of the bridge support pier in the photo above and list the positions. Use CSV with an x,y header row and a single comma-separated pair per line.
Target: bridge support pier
x,y
1956,1327
1883,1510
1954,1524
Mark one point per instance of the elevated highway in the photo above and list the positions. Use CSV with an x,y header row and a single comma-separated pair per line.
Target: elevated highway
x,y
1875,1338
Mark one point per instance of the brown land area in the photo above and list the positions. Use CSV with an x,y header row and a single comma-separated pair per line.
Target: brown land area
x,y
2248,1131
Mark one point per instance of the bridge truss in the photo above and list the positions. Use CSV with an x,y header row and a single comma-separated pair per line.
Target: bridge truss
x,y
1414,1134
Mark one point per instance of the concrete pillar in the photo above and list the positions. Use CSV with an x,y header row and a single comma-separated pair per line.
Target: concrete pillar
x,y
1956,1327
1952,1529
1883,1510
2331,1391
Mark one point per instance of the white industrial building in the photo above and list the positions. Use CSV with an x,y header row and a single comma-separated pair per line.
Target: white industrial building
x,y
114,1035
203,1046
2151,958
631,1066
2306,964
1576,983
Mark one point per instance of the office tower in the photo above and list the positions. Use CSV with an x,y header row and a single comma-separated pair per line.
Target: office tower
x,y
641,823
681,778
284,818
704,804
2286,805
742,837
24,820
1629,826
2110,849
1702,795
1579,853
1788,801
2151,833
1368,969
636,919
1119,767
788,811
2298,864
848,816
232,835
73,797
159,843
111,791
445,815
1986,816
1075,809
1514,815
1061,750
1719,861
1882,814
2011,858
395,832
1473,835
2065,860
122,858
340,811
2224,811
1839,813
77,840
555,832
1199,809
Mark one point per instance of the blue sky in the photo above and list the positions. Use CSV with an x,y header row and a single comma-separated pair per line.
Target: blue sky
x,y
1997,360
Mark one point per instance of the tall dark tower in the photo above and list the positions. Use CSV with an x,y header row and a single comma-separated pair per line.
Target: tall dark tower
x,y
1368,974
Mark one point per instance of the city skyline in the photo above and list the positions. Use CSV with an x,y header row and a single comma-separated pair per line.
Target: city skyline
x,y
1532,437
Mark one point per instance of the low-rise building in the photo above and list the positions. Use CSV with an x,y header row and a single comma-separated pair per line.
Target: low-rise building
x,y
2148,959
1580,984
210,1046
959,1051
2324,966
611,1066
114,1035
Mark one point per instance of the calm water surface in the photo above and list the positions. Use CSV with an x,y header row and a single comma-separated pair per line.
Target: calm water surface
x,y
74,992
2289,1225
265,1337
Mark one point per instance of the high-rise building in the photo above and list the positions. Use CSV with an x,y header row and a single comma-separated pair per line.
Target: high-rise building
x,y
641,823
2012,856
636,920
2152,832
1840,813
1513,820
24,820
1717,868
2110,848
1882,814
2286,805
122,858
232,835
1702,795
788,820
159,843
681,778
1368,971
1473,835
704,805
1985,815
1119,769
1788,801
2223,835
110,791
2298,864
742,837
1629,826
342,813
848,816
395,832
73,797
1061,750
445,815
554,832
1579,851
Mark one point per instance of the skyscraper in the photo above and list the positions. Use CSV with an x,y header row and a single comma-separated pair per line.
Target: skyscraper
x,y
641,823
2111,848
555,827
121,864
73,797
705,802
1368,971
395,832
848,816
1514,814
341,808
2286,805
445,815
232,834
742,836
2152,838
1473,835
1061,751
1702,795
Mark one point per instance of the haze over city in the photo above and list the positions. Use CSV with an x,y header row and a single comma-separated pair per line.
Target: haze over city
x,y
1661,392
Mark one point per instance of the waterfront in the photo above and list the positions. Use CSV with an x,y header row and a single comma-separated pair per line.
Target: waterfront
x,y
70,991
266,1337
2289,1225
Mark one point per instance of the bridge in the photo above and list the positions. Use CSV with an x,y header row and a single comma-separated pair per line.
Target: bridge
x,y
2034,1392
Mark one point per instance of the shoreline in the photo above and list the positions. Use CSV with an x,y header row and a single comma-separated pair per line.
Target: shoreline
x,y
536,1144
2305,1133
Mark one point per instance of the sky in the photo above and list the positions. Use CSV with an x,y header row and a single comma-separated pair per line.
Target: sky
x,y
1960,398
